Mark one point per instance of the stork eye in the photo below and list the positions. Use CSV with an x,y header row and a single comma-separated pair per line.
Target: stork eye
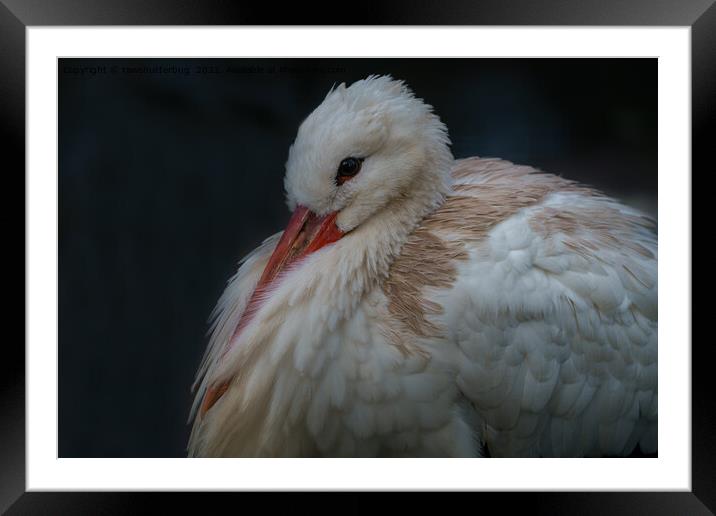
x,y
348,168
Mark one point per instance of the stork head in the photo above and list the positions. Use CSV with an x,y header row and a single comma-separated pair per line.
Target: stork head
x,y
363,147
366,147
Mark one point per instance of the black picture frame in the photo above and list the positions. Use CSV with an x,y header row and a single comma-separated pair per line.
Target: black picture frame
x,y
17,15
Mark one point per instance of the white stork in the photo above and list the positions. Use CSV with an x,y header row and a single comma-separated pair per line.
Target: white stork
x,y
418,305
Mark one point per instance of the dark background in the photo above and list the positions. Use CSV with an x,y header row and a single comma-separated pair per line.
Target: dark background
x,y
168,176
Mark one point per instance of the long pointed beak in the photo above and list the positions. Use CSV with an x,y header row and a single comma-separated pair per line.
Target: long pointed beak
x,y
305,233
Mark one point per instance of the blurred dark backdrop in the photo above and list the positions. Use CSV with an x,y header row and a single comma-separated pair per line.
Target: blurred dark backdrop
x,y
170,170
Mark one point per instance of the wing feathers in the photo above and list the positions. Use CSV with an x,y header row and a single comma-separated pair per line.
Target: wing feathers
x,y
559,339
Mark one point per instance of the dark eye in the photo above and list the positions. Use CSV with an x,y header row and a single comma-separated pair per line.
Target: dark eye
x,y
348,168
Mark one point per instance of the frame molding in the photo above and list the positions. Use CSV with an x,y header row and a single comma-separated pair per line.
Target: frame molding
x,y
16,15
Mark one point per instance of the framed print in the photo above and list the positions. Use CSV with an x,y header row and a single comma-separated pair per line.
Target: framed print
x,y
154,160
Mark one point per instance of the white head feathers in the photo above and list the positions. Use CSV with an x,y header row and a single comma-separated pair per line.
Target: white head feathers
x,y
404,145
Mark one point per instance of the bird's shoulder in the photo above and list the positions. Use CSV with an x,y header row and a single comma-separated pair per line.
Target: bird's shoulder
x,y
523,223
520,222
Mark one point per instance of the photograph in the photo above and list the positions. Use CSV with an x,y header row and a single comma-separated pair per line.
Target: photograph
x,y
357,257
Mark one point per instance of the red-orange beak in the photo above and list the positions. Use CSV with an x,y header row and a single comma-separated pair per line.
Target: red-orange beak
x,y
305,233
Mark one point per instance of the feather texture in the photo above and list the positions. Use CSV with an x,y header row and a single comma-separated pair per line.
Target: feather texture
x,y
554,313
